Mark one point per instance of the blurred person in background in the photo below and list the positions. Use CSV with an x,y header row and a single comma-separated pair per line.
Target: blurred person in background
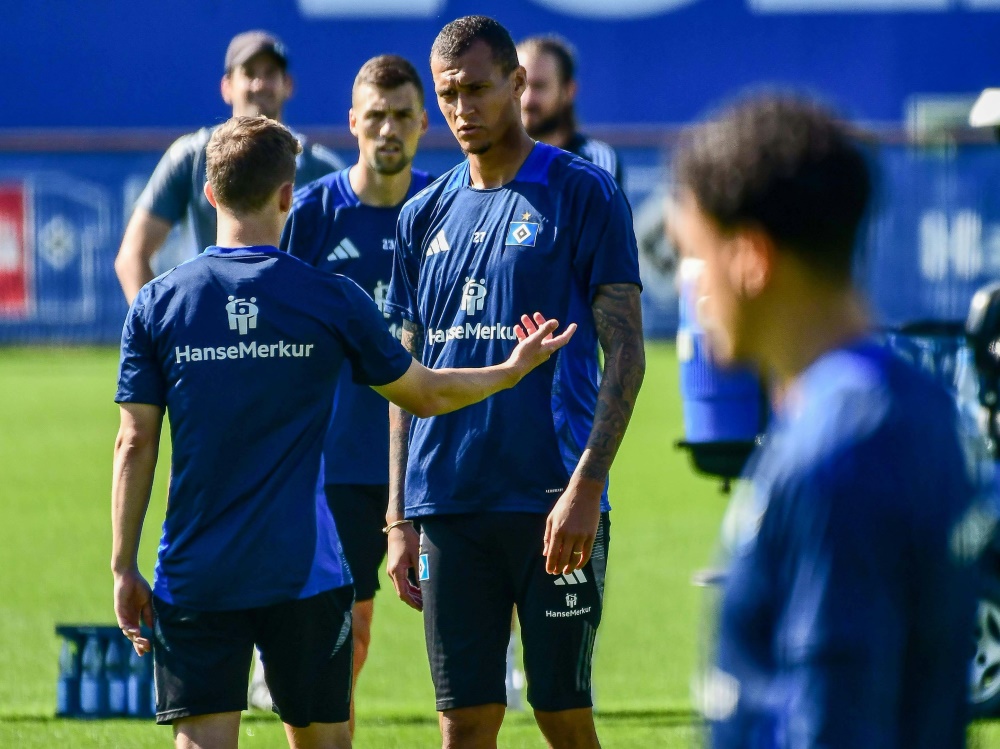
x,y
548,108
345,223
245,337
512,499
255,81
847,609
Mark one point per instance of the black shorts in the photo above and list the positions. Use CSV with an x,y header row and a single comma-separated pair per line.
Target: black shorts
x,y
202,659
359,513
474,569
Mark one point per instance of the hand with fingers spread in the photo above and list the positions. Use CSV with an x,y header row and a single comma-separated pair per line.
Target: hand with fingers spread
x,y
536,342
571,526
402,561
134,607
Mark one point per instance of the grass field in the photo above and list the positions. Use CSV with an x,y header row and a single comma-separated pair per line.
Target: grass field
x,y
57,427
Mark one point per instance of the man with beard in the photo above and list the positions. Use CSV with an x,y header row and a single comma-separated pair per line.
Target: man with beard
x,y
345,223
547,106
256,81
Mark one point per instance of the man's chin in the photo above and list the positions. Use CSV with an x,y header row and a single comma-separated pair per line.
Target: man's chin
x,y
476,149
391,168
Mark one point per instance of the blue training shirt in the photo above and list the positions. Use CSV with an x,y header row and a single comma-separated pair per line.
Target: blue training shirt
x,y
847,613
243,348
468,264
331,229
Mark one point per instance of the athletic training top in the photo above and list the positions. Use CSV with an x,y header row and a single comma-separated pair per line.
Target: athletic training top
x,y
331,229
597,152
177,187
243,348
468,264
847,614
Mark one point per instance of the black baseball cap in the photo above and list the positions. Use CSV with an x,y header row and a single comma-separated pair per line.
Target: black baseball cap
x,y
250,43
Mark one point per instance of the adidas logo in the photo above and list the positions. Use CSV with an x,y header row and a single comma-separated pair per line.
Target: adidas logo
x,y
438,244
344,251
573,578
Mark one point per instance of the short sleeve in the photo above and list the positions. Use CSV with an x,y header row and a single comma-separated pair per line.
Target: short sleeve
x,y
305,227
375,355
140,378
317,161
168,192
402,296
606,251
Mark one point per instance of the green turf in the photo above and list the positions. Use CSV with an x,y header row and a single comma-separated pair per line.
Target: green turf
x,y
57,429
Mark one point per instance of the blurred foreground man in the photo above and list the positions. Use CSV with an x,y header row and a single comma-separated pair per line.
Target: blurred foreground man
x,y
548,104
256,81
243,347
511,499
847,612
345,223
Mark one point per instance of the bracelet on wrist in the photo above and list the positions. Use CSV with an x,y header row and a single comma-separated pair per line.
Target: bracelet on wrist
x,y
395,524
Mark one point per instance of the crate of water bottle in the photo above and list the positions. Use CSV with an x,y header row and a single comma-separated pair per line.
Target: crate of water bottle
x,y
101,675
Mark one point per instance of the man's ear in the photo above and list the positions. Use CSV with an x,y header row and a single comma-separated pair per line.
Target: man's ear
x,y
519,81
210,195
285,197
352,122
226,87
570,92
424,122
289,85
753,262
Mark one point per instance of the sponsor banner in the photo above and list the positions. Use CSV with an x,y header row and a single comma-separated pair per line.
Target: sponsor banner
x,y
15,259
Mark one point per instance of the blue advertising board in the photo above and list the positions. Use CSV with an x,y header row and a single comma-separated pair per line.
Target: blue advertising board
x,y
933,239
125,64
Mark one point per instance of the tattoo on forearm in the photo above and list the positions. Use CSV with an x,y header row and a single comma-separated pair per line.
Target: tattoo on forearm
x,y
399,426
413,338
618,319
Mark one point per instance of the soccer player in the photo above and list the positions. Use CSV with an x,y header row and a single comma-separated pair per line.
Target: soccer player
x,y
847,611
511,497
548,107
256,81
345,223
242,347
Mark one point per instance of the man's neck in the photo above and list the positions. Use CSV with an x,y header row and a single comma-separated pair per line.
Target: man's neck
x,y
379,190
560,137
243,232
501,163
825,320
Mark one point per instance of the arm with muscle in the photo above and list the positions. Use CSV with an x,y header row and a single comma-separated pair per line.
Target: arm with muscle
x,y
572,524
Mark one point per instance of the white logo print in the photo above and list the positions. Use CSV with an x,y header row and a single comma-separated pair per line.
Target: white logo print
x,y
380,294
344,251
571,600
473,295
573,578
242,314
438,244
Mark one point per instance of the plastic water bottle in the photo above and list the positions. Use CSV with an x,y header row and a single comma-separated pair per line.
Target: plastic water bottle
x,y
721,404
139,695
115,672
68,687
93,687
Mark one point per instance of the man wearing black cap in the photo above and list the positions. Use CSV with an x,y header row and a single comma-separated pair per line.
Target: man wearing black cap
x,y
256,81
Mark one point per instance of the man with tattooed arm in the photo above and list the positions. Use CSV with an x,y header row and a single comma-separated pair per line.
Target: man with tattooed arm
x,y
511,497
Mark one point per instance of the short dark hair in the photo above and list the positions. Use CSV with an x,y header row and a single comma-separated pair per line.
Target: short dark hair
x,y
559,47
455,39
247,159
389,72
784,163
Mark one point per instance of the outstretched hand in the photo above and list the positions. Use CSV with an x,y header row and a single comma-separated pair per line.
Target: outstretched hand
x,y
536,342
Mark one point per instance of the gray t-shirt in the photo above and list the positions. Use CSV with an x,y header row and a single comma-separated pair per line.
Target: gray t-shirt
x,y
176,189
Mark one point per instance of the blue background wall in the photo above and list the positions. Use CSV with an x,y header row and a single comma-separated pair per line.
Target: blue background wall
x,y
98,63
